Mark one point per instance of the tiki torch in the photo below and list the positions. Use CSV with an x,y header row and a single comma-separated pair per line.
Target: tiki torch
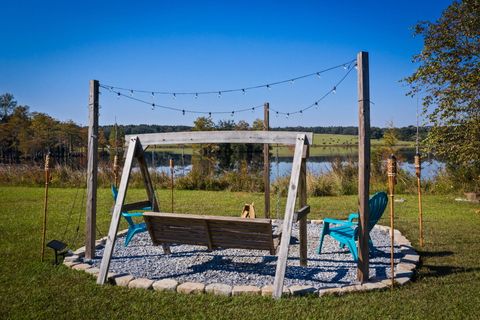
x,y
45,204
418,170
392,180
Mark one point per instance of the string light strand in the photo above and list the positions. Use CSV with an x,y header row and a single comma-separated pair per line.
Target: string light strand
x,y
346,66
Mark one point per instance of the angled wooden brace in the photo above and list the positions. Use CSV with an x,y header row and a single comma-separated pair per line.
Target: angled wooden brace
x,y
135,150
288,220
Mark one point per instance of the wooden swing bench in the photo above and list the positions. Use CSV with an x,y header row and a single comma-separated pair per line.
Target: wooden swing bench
x,y
211,231
215,231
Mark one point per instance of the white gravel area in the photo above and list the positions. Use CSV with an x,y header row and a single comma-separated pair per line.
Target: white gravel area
x,y
333,268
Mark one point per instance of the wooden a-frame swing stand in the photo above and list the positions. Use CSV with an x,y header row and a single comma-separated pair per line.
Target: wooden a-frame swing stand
x,y
297,187
297,180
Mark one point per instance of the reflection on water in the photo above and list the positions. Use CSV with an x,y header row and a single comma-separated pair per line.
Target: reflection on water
x,y
315,165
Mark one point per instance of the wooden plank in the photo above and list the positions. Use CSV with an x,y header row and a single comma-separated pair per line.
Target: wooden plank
x,y
302,195
288,219
92,170
363,164
266,161
302,212
209,217
199,137
136,205
112,231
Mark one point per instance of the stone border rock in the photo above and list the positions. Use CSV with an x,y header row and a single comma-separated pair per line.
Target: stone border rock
x,y
404,271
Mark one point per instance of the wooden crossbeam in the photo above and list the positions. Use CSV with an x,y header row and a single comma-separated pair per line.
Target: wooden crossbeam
x,y
289,216
196,137
302,213
136,205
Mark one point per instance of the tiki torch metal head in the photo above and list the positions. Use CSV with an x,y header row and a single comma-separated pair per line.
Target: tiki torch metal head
x,y
392,168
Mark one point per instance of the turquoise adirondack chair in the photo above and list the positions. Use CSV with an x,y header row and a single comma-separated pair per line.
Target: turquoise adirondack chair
x,y
133,228
346,231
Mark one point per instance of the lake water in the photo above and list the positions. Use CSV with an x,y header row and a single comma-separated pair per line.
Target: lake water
x,y
315,165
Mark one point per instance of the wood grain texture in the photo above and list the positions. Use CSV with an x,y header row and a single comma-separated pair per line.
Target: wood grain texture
x,y
112,231
266,161
92,170
363,165
198,137
288,218
210,231
302,195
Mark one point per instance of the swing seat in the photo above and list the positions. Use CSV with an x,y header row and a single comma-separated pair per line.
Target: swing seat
x,y
211,231
133,228
346,231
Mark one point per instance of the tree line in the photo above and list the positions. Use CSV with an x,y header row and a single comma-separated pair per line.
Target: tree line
x,y
28,136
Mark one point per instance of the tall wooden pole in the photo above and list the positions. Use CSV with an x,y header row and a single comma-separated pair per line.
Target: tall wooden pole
x,y
418,172
266,160
171,179
92,170
45,205
363,164
302,197
392,180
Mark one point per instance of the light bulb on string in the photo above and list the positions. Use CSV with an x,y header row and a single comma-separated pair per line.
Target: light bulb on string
x,y
345,67
131,93
292,81
174,96
243,91
268,87
153,106
219,94
318,75
233,113
183,112
334,90
196,95
276,114
209,114
356,66
118,95
316,105
288,115
253,109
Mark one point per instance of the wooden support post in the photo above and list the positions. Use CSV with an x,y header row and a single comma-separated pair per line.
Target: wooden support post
x,y
363,164
266,160
392,180
45,205
418,172
117,209
92,169
171,180
289,217
302,195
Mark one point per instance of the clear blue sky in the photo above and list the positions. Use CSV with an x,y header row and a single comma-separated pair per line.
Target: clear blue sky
x,y
51,49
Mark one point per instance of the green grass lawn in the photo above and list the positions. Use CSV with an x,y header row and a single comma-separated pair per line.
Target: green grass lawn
x,y
447,284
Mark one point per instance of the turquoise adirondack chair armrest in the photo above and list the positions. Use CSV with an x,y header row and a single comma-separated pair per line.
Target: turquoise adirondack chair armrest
x,y
352,216
336,221
133,214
